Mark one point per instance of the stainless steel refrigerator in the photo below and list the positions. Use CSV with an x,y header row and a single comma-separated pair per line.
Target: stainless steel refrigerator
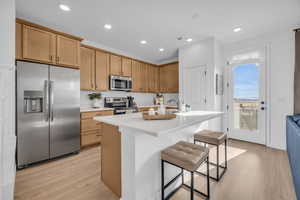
x,y
48,112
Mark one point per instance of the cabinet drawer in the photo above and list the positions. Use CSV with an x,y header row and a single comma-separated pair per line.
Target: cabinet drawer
x,y
90,138
89,124
90,115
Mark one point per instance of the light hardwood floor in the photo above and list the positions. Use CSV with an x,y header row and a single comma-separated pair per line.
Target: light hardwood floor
x,y
254,173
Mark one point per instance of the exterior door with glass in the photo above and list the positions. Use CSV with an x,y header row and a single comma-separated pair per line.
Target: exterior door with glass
x,y
247,98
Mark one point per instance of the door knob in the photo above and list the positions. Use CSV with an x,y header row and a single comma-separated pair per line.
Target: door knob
x,y
262,108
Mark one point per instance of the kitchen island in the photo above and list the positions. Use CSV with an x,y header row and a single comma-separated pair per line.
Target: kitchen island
x,y
130,158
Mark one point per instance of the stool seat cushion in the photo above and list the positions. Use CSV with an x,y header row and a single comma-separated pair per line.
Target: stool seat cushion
x,y
185,155
210,137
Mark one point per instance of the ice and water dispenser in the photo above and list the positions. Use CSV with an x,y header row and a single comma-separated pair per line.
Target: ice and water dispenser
x,y
33,101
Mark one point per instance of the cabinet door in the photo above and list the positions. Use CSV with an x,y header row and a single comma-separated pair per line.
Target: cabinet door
x,y
163,79
38,45
68,52
87,69
144,77
18,41
153,79
136,76
102,70
174,76
126,67
169,78
115,65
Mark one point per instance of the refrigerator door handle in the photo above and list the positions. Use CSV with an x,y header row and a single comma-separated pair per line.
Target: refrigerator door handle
x,y
46,104
51,100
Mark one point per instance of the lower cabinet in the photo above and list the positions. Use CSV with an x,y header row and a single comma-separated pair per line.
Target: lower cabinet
x,y
91,130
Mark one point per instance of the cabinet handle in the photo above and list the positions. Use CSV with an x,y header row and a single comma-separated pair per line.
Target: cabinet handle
x,y
51,57
57,59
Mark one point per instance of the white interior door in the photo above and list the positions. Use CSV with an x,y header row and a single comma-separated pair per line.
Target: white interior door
x,y
195,85
247,97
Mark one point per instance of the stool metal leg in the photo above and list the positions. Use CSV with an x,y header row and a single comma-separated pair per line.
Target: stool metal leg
x,y
182,178
226,154
162,181
207,178
192,185
218,162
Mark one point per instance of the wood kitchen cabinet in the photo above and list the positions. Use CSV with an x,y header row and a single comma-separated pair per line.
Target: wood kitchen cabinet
x,y
115,65
111,159
153,79
19,41
120,66
144,77
102,71
94,69
169,78
87,68
136,76
91,130
126,67
41,44
68,51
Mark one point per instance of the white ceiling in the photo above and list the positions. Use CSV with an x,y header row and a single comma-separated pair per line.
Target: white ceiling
x,y
160,22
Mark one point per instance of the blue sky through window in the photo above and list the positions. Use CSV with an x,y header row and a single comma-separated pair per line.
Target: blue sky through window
x,y
246,81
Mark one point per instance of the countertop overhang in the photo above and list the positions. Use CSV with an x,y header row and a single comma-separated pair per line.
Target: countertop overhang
x,y
159,127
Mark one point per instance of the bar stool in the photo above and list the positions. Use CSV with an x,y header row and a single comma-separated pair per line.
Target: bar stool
x,y
186,156
213,138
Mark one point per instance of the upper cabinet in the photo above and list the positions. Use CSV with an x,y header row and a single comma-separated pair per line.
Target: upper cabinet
x,y
68,51
94,69
19,34
120,66
126,67
39,45
140,76
144,77
169,78
153,79
87,69
136,76
102,71
44,45
115,65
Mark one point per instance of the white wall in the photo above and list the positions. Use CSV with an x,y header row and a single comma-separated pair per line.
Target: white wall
x,y
206,53
7,100
280,70
142,99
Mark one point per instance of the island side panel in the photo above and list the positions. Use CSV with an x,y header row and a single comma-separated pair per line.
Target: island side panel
x,y
141,165
111,158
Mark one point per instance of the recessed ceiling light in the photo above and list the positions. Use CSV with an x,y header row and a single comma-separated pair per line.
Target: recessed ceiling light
x,y
161,49
189,39
143,42
237,30
64,7
107,26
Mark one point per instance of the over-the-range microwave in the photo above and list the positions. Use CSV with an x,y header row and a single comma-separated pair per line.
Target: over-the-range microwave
x,y
120,83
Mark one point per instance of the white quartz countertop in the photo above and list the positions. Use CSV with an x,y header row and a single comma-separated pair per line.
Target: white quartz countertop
x,y
146,106
90,109
159,127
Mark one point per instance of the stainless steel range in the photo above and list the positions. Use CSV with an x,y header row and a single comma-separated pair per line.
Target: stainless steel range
x,y
121,105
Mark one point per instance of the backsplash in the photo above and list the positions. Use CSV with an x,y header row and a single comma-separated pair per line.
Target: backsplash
x,y
141,99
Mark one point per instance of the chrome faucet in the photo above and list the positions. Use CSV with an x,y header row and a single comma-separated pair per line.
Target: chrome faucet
x,y
173,101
